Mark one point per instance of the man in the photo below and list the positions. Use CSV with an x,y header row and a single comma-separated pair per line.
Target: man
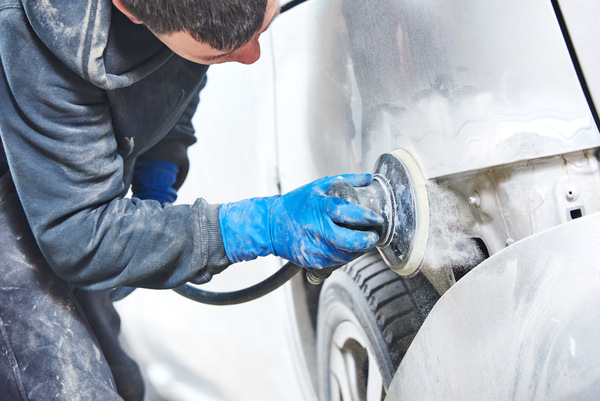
x,y
96,97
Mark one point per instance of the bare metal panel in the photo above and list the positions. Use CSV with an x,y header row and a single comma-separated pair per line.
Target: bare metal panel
x,y
461,84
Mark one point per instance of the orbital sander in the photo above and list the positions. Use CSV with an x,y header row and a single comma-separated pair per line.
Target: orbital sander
x,y
398,193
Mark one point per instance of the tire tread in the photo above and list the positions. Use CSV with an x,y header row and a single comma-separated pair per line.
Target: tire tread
x,y
399,305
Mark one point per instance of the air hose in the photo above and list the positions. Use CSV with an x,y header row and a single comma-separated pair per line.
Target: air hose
x,y
194,293
266,286
270,284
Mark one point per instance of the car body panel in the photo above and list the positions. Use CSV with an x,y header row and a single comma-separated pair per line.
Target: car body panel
x,y
523,325
484,95
462,85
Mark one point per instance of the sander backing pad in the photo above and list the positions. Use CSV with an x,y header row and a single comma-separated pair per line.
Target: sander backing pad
x,y
399,194
406,211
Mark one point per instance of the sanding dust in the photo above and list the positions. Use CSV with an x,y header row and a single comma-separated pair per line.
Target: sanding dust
x,y
448,244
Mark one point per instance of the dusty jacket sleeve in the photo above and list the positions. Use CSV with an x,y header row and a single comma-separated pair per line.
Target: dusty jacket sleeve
x,y
59,142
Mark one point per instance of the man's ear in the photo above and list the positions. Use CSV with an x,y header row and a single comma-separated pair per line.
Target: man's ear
x,y
119,4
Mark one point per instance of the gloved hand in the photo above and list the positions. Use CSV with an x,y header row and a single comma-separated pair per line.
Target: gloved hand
x,y
154,180
304,226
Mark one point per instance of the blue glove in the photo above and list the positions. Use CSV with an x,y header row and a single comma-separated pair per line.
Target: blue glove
x,y
304,226
154,180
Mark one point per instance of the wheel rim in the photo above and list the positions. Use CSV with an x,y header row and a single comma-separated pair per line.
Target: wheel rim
x,y
353,369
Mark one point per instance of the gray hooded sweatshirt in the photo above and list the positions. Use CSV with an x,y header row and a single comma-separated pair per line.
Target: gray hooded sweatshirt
x,y
84,93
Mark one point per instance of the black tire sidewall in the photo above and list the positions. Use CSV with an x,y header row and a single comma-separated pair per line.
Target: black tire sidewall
x,y
342,301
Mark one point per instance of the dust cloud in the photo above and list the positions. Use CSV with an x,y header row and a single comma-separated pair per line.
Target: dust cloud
x,y
448,244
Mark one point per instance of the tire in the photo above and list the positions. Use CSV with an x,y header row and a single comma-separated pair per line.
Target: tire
x,y
368,316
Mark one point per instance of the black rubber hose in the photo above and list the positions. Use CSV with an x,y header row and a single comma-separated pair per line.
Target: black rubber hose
x,y
290,5
266,286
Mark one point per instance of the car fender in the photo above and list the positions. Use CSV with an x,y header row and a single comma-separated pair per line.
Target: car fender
x,y
523,325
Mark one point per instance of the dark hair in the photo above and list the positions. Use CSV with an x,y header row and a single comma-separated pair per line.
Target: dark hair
x,y
223,24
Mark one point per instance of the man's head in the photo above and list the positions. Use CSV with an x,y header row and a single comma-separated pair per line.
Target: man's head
x,y
205,31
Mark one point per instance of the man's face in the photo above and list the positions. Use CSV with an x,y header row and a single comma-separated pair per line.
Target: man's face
x,y
184,45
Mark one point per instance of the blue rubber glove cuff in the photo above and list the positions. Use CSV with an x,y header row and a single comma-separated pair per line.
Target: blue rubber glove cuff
x,y
245,228
154,180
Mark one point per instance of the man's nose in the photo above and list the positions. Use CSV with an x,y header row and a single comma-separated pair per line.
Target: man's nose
x,y
247,54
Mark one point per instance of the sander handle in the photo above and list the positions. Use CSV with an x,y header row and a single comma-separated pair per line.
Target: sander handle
x,y
372,197
367,197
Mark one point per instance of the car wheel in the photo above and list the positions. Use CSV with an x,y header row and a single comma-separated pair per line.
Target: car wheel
x,y
368,316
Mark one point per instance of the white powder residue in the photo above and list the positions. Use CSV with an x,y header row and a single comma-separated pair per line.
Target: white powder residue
x,y
448,244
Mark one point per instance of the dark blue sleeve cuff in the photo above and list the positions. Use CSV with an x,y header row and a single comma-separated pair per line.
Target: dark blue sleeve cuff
x,y
154,180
